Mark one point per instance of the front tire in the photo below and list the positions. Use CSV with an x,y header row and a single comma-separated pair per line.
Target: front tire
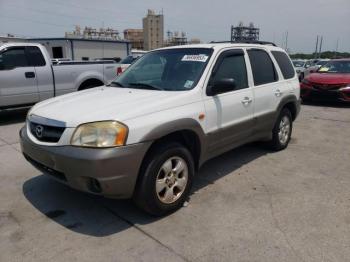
x,y
165,179
282,131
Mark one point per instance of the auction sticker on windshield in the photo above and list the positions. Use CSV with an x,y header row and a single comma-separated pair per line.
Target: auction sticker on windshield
x,y
195,58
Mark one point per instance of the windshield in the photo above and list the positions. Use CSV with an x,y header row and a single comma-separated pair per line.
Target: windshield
x,y
335,67
321,63
298,63
168,69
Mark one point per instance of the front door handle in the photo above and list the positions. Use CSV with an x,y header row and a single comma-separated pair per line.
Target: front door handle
x,y
246,100
29,74
278,93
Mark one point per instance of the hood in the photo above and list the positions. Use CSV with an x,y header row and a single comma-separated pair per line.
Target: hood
x,y
107,103
329,78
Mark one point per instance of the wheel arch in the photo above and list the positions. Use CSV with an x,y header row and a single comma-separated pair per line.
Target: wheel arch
x,y
90,82
187,132
292,104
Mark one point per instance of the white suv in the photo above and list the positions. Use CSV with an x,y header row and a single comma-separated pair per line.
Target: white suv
x,y
146,134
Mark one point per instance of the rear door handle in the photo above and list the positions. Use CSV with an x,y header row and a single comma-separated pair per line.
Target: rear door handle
x,y
246,100
278,93
29,74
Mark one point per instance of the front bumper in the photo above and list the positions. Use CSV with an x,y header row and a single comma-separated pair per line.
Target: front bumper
x,y
308,92
111,172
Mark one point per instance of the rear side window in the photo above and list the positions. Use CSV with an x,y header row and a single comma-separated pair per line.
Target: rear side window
x,y
233,67
284,63
35,57
12,58
262,67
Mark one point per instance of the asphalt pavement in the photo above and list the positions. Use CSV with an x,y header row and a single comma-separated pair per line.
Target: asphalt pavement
x,y
249,204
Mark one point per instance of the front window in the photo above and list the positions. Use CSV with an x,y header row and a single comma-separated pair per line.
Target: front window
x,y
168,69
335,67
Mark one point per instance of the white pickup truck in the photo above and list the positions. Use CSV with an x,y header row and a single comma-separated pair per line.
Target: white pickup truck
x,y
27,75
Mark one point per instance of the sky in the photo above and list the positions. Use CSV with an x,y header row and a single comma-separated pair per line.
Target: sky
x,y
209,20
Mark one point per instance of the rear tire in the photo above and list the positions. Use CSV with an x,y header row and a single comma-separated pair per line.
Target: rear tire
x,y
282,131
165,179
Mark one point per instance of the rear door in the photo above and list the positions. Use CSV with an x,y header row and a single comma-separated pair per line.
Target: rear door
x,y
230,114
18,82
267,89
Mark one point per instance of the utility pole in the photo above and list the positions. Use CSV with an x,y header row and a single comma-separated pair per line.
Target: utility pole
x,y
316,47
336,48
286,42
319,51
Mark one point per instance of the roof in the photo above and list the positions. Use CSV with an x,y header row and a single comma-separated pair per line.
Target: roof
x,y
341,59
222,46
79,39
11,44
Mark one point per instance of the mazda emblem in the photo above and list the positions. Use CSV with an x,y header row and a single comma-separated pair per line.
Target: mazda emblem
x,y
39,131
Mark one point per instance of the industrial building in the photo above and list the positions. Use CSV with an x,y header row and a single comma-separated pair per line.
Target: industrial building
x,y
135,37
11,39
84,49
153,30
242,33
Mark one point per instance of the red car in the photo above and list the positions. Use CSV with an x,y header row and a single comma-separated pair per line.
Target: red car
x,y
331,82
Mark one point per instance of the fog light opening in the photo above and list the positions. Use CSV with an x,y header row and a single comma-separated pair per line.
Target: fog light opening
x,y
94,185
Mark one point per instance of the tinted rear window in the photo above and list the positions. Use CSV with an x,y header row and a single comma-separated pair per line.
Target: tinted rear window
x,y
284,63
262,67
35,57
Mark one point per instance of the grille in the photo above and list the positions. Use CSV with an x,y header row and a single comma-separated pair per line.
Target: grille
x,y
45,133
46,170
327,87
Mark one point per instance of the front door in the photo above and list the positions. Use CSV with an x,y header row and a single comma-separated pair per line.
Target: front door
x,y
230,114
18,83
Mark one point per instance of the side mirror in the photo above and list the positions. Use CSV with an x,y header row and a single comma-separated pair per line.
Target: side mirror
x,y
312,71
221,86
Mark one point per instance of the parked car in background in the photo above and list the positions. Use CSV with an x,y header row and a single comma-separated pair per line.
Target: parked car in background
x,y
127,61
314,67
330,82
146,134
300,66
28,76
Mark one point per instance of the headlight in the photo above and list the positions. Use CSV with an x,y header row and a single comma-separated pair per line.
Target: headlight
x,y
100,134
345,88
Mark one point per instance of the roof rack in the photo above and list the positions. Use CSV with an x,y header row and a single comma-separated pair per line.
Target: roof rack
x,y
245,42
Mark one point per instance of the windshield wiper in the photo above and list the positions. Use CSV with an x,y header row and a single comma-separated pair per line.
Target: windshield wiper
x,y
114,83
146,86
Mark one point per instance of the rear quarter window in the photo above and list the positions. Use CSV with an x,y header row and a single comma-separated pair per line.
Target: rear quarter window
x,y
35,57
284,64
